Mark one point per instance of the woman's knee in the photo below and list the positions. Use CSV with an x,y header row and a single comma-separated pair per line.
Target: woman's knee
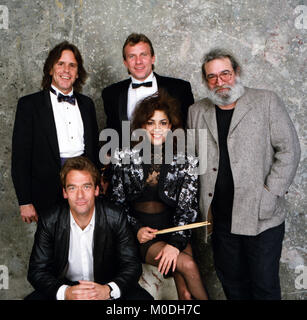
x,y
186,264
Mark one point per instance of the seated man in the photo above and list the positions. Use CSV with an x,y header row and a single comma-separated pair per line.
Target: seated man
x,y
84,249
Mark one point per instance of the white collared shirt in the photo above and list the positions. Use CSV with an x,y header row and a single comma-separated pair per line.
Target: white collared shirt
x,y
69,126
136,95
80,258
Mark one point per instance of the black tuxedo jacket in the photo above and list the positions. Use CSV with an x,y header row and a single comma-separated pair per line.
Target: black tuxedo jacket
x,y
114,250
116,95
36,160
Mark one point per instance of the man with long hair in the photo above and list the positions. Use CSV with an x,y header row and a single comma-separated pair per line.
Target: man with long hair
x,y
50,126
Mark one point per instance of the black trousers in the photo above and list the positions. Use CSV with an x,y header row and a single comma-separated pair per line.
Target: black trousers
x,y
248,266
134,293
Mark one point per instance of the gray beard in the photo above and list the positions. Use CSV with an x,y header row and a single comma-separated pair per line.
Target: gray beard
x,y
224,99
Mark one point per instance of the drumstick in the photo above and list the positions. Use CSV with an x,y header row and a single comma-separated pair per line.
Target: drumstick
x,y
186,226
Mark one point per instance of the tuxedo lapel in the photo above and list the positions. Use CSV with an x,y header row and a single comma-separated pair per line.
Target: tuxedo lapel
x,y
123,101
48,123
161,83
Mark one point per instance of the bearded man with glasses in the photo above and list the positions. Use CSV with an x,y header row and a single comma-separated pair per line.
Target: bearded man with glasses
x,y
252,156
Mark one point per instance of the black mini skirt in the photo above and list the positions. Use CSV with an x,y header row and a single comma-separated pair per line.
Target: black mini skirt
x,y
158,221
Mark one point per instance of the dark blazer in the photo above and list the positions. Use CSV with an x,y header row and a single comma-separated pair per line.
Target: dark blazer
x,y
35,152
114,251
116,95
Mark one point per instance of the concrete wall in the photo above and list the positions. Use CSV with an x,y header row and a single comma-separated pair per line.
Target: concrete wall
x,y
267,36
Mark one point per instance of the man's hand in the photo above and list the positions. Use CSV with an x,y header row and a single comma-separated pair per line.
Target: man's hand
x,y
28,213
168,257
87,290
145,234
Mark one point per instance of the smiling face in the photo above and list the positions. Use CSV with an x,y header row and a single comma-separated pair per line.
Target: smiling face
x,y
80,192
65,72
157,127
139,60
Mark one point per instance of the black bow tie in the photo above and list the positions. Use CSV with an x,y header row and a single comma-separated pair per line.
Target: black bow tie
x,y
70,99
61,97
144,84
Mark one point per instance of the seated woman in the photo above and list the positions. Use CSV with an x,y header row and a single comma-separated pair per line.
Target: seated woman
x,y
160,195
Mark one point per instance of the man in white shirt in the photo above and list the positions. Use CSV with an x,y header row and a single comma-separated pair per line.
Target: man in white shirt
x,y
50,126
84,249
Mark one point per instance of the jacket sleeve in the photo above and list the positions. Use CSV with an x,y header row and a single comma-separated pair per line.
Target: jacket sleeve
x,y
286,146
21,152
187,205
129,268
118,193
186,100
95,135
108,106
41,263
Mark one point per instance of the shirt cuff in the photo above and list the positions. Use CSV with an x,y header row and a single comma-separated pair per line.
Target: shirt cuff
x,y
60,295
115,290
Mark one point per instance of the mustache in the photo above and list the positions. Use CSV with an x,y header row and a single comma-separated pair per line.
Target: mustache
x,y
222,87
223,98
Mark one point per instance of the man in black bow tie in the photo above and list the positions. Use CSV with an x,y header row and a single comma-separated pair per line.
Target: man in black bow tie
x,y
121,98
50,126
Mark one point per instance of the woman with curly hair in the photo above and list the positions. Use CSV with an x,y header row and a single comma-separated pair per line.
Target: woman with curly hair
x,y
159,195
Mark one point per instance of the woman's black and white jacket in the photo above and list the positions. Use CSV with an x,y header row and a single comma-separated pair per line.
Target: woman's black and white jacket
x,y
177,187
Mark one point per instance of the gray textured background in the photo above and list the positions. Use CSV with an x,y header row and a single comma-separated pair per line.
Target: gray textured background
x,y
268,37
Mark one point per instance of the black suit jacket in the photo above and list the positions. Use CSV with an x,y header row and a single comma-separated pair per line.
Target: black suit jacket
x,y
116,95
114,250
36,160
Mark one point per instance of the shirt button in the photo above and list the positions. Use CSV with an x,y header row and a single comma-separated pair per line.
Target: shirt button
x,y
214,169
210,194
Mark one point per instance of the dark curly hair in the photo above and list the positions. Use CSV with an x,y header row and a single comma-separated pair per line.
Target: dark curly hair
x,y
160,101
53,58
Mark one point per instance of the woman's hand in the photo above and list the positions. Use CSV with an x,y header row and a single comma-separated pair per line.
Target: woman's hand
x,y
168,257
145,234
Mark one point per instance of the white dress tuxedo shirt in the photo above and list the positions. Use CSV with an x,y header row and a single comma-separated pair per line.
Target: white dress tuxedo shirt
x,y
69,126
136,95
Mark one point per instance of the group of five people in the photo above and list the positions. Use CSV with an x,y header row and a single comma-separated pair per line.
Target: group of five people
x,y
91,246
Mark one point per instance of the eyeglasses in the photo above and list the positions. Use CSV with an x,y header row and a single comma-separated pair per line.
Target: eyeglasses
x,y
225,75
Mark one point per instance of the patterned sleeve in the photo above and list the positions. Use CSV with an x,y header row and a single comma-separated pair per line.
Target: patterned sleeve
x,y
118,193
187,204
